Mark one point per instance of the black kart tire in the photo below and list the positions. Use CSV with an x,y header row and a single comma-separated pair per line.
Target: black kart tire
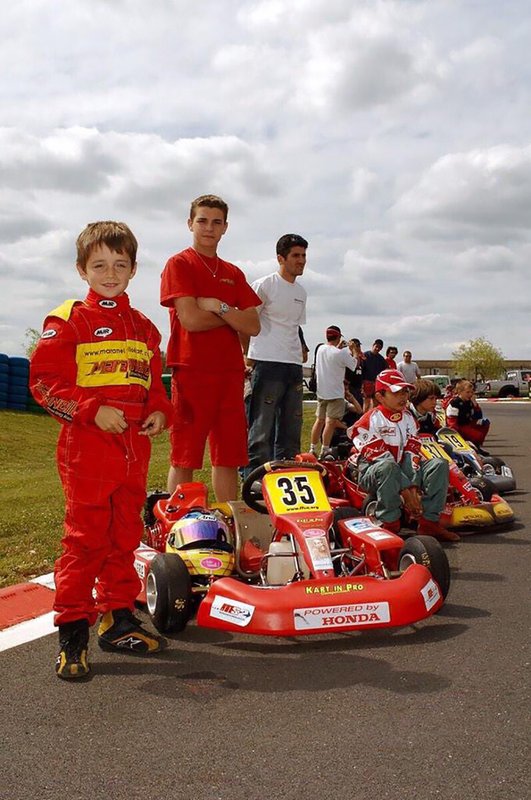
x,y
485,487
427,551
368,508
343,512
169,593
494,461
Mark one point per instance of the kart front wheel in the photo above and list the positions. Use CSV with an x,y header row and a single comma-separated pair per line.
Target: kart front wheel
x,y
484,486
169,593
427,551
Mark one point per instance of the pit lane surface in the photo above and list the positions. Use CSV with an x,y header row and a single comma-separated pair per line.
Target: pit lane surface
x,y
436,710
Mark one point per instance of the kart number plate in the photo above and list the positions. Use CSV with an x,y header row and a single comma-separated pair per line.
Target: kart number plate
x,y
456,441
507,471
295,492
434,450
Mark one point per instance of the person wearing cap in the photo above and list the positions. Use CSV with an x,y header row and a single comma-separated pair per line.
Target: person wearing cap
x,y
330,364
373,364
387,453
275,356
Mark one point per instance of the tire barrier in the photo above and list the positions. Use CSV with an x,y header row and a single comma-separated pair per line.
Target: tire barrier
x,y
14,385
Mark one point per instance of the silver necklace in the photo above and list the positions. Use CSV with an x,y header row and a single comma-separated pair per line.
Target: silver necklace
x,y
213,272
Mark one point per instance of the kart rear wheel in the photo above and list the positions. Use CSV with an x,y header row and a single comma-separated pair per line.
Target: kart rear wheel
x,y
169,593
368,508
483,485
343,512
495,462
427,551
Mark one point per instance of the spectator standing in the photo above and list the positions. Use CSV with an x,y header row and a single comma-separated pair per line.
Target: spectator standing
x,y
330,365
373,363
276,357
390,355
211,305
354,378
409,369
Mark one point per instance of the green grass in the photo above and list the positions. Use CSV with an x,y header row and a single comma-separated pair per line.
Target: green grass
x,y
32,509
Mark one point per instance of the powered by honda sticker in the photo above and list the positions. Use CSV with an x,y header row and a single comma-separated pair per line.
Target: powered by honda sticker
x,y
340,616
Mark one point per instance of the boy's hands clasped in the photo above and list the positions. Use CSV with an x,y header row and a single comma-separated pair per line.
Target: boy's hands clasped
x,y
412,501
112,420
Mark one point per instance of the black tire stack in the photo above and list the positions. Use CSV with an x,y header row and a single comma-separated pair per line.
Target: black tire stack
x,y
4,379
18,376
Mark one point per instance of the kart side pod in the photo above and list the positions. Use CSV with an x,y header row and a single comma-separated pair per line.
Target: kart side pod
x,y
309,606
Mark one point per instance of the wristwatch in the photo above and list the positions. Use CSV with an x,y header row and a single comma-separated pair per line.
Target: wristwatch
x,y
223,308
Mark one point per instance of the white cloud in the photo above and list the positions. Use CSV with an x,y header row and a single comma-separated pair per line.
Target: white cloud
x,y
393,135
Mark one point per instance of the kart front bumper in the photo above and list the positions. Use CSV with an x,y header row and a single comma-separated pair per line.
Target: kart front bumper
x,y
495,512
321,606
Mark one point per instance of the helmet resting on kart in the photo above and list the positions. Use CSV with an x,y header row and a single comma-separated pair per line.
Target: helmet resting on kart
x,y
203,541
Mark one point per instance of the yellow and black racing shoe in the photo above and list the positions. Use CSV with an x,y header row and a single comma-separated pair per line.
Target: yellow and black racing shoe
x,y
121,630
72,661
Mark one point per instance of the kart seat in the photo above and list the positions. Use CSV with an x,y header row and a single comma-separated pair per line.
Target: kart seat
x,y
253,533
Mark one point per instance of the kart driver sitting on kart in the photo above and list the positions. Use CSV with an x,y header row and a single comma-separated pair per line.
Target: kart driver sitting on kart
x,y
389,462
423,400
464,415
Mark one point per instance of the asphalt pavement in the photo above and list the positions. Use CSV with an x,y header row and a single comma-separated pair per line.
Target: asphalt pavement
x,y
435,710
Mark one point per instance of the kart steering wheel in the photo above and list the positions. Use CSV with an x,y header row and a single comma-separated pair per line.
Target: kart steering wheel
x,y
272,466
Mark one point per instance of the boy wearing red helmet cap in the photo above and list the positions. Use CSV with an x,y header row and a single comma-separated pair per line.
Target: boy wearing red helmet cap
x,y
389,463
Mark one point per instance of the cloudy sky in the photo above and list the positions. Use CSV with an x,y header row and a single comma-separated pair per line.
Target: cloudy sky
x,y
394,135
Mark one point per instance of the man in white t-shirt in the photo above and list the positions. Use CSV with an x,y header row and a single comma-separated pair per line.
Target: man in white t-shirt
x,y
276,356
409,369
331,361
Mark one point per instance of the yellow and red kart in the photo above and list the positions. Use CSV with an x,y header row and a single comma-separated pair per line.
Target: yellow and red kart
x,y
284,565
491,469
471,502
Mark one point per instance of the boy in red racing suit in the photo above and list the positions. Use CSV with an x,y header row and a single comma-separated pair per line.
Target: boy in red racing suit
x,y
389,461
465,416
97,370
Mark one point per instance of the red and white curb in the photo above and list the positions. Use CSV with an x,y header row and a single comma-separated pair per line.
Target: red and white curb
x,y
26,611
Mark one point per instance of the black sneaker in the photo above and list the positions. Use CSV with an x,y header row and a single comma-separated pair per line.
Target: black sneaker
x,y
121,630
72,661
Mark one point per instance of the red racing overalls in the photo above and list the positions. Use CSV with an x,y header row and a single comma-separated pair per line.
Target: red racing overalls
x,y
92,353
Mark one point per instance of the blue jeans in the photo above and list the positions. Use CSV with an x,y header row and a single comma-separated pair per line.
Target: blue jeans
x,y
275,412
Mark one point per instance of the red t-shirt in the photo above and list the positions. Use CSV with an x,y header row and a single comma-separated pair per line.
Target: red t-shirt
x,y
186,275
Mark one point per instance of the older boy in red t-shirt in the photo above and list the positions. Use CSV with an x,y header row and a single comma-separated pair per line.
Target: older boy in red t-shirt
x,y
210,304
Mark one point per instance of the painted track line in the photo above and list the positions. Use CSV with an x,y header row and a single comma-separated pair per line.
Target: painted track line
x,y
33,628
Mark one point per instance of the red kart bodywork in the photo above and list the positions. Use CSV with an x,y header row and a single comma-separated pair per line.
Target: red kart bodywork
x,y
378,592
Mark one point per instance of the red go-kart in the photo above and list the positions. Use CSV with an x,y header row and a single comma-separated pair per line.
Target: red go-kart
x,y
297,566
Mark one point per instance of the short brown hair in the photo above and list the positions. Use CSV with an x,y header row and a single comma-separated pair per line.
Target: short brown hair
x,y
424,388
210,201
116,235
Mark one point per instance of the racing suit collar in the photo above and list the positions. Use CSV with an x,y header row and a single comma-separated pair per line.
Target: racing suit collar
x,y
120,303
393,416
